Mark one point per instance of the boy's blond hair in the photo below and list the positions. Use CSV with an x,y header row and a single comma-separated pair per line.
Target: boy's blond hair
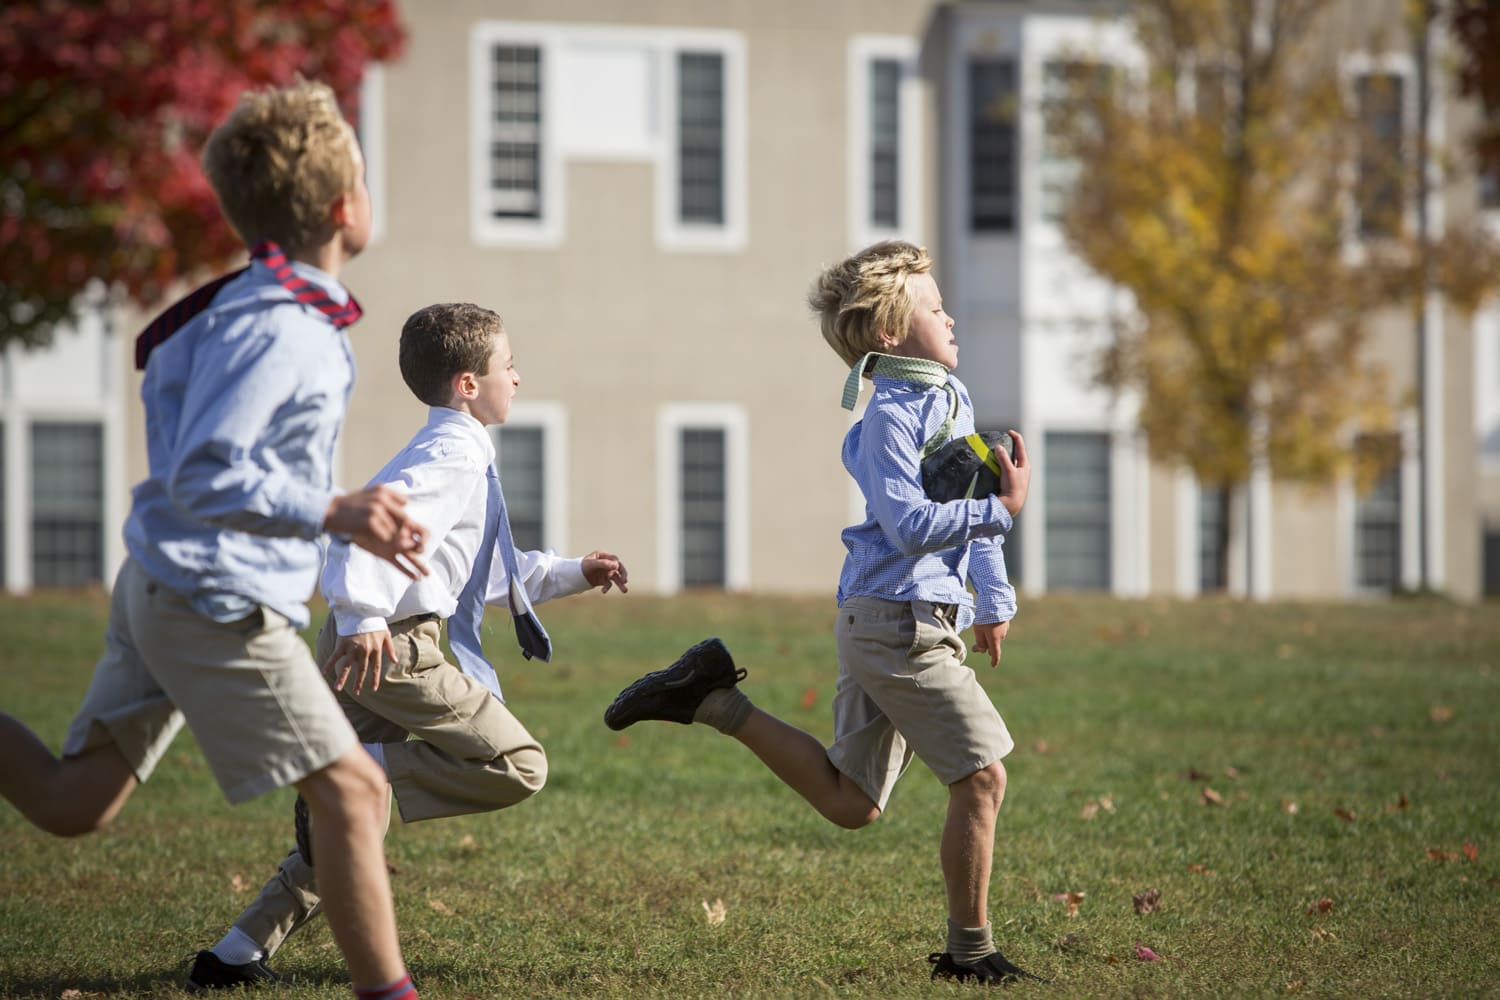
x,y
866,295
443,341
278,162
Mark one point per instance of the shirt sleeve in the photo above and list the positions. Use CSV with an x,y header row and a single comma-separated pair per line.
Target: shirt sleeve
x,y
889,473
545,575
231,466
363,589
994,597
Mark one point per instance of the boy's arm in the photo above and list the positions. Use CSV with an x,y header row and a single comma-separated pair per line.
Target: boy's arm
x,y
546,575
890,477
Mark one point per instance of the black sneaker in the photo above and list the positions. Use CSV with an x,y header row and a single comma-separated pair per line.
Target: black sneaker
x,y
674,694
302,821
992,968
210,972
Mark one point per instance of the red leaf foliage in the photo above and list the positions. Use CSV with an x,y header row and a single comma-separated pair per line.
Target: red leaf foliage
x,y
104,108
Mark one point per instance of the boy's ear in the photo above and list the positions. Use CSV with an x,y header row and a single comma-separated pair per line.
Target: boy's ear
x,y
464,385
341,210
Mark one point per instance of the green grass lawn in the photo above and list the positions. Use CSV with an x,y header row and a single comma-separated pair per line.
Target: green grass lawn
x,y
1312,790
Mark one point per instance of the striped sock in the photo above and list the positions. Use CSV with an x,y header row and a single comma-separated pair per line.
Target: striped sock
x,y
401,989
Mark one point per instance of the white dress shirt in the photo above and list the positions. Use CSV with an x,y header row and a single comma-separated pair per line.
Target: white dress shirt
x,y
442,473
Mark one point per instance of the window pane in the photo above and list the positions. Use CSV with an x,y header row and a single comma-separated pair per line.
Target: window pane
x,y
703,508
992,145
516,132
1380,188
885,143
67,504
1212,573
1377,524
700,137
522,459
1078,542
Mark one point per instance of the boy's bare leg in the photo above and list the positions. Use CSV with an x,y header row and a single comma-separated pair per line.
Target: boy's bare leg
x,y
968,847
68,796
347,803
799,760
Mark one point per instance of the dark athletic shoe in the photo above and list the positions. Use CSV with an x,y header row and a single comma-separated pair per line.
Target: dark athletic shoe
x,y
674,694
303,823
212,973
992,968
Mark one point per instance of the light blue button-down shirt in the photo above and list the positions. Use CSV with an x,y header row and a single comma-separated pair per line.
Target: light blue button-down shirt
x,y
243,409
909,548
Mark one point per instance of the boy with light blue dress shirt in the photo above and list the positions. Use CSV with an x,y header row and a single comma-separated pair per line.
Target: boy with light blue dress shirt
x,y
903,686
246,385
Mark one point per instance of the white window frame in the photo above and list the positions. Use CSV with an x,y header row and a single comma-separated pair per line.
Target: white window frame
x,y
864,51
1346,502
372,145
556,41
552,419
1352,67
672,419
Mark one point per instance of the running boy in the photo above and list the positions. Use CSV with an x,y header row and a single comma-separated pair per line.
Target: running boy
x,y
380,642
903,687
243,405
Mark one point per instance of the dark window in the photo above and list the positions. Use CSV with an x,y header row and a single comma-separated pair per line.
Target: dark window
x,y
1377,521
67,504
521,453
1381,185
1212,512
700,137
704,521
885,143
516,132
992,145
1078,511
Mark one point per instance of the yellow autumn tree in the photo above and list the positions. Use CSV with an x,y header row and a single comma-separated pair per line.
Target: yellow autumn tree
x,y
1236,184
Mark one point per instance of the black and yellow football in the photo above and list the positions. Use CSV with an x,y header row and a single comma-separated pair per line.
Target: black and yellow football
x,y
966,467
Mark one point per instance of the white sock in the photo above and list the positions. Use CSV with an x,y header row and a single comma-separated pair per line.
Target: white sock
x,y
376,750
237,948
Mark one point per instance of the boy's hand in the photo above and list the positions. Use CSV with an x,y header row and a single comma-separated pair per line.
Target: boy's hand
x,y
375,520
1015,478
988,636
365,652
604,570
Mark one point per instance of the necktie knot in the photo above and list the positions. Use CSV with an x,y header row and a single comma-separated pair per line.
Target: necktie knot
x,y
918,370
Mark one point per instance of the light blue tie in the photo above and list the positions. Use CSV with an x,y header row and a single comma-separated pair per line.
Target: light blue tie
x,y
464,626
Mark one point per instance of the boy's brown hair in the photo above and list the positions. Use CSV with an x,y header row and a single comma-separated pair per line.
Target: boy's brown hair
x,y
278,162
443,341
866,295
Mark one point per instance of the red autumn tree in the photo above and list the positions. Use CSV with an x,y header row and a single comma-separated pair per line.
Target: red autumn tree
x,y
104,109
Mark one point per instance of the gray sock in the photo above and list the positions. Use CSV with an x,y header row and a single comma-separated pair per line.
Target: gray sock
x,y
726,709
968,945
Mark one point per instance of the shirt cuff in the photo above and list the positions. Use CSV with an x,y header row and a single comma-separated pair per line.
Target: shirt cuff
x,y
999,606
306,505
350,624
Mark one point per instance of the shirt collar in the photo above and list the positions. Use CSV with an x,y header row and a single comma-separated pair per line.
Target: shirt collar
x,y
445,417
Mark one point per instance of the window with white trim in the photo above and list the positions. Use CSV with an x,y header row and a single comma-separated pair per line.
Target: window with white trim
x,y
67,504
704,506
993,97
1212,536
1377,519
531,459
1380,185
515,138
700,138
703,499
1078,510
884,154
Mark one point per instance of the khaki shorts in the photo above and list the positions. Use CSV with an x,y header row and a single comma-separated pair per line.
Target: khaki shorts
x,y
249,690
904,689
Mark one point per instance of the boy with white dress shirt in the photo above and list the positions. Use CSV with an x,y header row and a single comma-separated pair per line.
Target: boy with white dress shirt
x,y
380,642
245,392
903,686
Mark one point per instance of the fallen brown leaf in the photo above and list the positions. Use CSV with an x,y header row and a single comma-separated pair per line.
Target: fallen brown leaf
x,y
1440,714
1347,815
1401,803
1070,900
1321,907
716,913
1197,869
1042,746
1438,854
439,906
1193,774
809,697
1289,807
1089,811
1211,797
1146,954
1148,901
238,883
1471,852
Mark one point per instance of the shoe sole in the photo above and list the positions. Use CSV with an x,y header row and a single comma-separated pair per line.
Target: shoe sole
x,y
618,717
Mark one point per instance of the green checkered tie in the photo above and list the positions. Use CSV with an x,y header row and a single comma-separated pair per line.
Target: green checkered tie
x,y
918,370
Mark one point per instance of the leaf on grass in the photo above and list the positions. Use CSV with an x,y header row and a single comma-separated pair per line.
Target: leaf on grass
x,y
467,840
1440,714
1322,934
1347,815
1440,855
1070,900
439,906
1401,803
1193,774
1320,908
1197,869
1148,901
1471,852
79,995
1146,954
1092,807
622,741
1211,797
238,883
1042,746
1090,810
809,697
716,913
1231,772
1289,807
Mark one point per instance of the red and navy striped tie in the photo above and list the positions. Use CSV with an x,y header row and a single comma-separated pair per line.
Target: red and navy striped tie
x,y
177,315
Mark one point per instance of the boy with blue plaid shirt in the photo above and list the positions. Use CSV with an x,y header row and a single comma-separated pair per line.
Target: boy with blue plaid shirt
x,y
903,687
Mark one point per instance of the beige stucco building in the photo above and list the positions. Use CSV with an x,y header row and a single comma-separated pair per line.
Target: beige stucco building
x,y
645,190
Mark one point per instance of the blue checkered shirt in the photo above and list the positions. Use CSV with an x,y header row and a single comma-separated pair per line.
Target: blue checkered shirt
x,y
909,548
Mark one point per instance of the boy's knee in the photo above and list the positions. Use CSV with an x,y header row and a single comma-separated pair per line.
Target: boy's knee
x,y
857,815
350,784
986,785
